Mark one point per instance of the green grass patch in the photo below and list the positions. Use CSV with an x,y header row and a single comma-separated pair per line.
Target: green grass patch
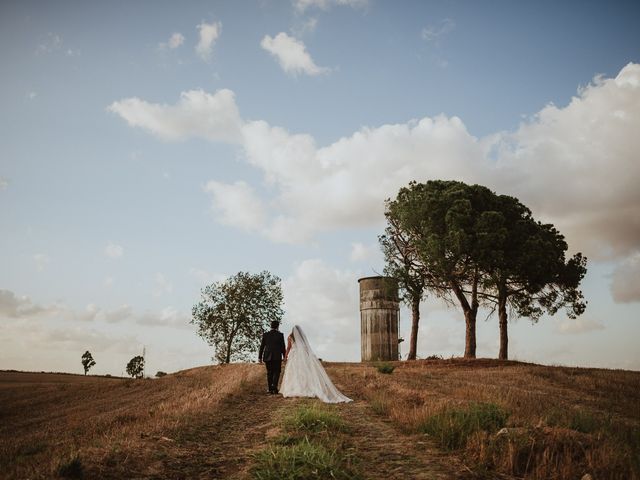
x,y
453,426
303,460
385,368
574,419
314,419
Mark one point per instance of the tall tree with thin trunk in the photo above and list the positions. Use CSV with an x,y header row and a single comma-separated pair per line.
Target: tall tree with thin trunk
x,y
234,313
527,271
403,264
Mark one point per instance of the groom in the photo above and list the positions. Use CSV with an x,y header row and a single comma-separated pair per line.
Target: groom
x,y
272,350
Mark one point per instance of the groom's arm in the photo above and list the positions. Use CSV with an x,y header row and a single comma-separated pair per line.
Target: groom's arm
x,y
261,349
283,349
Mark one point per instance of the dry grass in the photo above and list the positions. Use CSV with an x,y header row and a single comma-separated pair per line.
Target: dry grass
x,y
48,421
562,422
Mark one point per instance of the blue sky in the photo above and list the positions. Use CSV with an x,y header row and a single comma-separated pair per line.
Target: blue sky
x,y
151,147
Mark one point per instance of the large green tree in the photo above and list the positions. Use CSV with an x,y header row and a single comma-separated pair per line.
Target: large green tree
x,y
527,269
233,314
472,246
447,225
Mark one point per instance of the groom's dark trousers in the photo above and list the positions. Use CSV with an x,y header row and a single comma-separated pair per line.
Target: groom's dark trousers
x,y
272,350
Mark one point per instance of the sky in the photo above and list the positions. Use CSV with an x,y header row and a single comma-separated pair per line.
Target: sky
x,y
150,148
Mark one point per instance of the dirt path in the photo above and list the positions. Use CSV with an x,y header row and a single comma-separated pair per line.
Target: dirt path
x,y
386,453
220,444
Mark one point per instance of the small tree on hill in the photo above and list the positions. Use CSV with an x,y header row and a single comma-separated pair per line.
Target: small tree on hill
x,y
87,361
234,313
135,367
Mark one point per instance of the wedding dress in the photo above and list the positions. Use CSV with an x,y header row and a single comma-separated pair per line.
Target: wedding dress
x,y
304,375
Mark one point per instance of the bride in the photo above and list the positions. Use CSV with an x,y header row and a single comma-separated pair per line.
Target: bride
x,y
304,375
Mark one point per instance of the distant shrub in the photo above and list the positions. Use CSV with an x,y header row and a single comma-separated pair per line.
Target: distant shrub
x,y
386,368
70,468
108,375
161,374
434,357
452,426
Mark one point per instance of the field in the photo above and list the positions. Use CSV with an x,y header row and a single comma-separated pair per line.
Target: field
x,y
435,419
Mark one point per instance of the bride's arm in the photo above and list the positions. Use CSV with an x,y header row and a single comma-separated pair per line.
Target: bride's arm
x,y
286,354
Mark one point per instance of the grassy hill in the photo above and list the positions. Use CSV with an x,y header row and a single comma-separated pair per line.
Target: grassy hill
x,y
427,419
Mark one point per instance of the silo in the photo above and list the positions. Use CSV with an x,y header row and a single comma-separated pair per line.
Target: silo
x,y
379,318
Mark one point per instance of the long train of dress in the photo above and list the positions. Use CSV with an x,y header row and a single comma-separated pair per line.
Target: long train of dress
x,y
304,375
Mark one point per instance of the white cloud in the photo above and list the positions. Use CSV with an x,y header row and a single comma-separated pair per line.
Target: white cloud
x,y
113,250
167,317
578,325
302,5
108,282
366,253
574,166
175,40
206,278
577,166
324,301
433,33
4,183
118,314
625,284
31,95
209,33
41,260
197,114
237,205
13,306
291,54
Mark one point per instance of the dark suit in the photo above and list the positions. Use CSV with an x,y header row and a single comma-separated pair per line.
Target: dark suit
x,y
272,350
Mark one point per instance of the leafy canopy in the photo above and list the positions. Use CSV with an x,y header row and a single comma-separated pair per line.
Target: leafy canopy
x,y
234,313
87,361
135,367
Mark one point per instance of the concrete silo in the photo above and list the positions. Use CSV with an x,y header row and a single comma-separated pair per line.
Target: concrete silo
x,y
379,318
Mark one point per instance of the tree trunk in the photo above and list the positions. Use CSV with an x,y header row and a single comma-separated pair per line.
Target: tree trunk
x,y
470,313
502,318
228,356
470,337
415,319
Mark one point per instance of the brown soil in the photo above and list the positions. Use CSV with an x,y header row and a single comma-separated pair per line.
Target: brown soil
x,y
209,422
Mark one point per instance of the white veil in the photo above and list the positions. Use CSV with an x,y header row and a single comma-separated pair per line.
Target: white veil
x,y
305,376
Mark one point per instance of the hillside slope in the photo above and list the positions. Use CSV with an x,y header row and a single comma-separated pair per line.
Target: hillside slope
x,y
211,422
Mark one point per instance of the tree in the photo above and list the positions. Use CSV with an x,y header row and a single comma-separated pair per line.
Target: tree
x,y
527,270
135,367
87,361
234,313
473,246
444,221
402,263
